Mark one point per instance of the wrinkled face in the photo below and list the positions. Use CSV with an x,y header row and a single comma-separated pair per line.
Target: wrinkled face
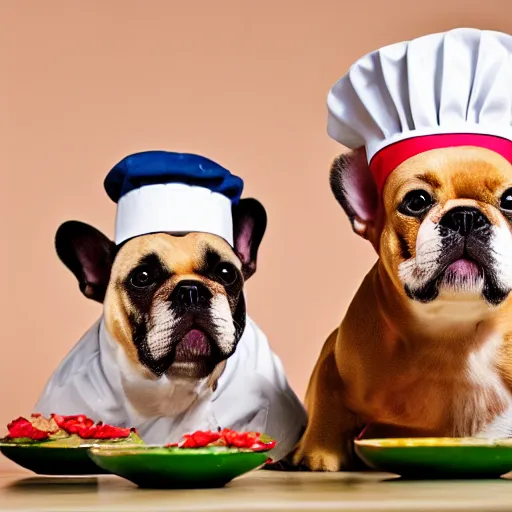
x,y
448,226
176,303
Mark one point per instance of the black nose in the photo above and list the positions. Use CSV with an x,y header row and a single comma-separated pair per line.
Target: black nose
x,y
464,220
190,293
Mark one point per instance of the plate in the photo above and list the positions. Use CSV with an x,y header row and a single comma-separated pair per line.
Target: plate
x,y
64,456
437,458
49,460
159,467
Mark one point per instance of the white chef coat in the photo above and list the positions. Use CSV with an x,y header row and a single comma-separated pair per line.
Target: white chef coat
x,y
252,393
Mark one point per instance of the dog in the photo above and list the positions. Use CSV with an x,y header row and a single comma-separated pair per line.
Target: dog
x,y
425,348
166,357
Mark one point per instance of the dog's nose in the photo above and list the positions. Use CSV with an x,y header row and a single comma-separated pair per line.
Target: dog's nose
x,y
464,220
190,293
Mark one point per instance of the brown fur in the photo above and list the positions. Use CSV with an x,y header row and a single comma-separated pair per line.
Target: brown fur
x,y
388,365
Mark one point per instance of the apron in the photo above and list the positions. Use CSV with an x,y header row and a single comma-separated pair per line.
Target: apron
x,y
252,393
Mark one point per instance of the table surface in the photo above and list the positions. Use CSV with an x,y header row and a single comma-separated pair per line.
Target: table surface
x,y
257,491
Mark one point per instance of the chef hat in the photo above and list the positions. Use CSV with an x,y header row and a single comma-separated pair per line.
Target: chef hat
x,y
441,90
158,191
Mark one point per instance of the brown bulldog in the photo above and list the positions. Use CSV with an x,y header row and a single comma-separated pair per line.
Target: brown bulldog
x,y
425,348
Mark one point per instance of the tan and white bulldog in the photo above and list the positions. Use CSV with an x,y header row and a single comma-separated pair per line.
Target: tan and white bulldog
x,y
174,351
425,348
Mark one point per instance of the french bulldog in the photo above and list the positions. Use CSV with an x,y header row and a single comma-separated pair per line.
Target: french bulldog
x,y
425,348
174,313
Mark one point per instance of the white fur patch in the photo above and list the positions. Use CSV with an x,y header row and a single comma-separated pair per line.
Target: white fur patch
x,y
159,335
500,427
487,389
417,272
501,250
223,322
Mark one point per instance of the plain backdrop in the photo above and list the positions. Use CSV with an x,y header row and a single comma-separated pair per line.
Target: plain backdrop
x,y
85,83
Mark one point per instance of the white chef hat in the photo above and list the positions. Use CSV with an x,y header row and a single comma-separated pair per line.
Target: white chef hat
x,y
162,191
441,90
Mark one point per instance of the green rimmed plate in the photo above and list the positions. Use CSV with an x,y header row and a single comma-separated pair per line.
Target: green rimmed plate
x,y
438,458
67,456
159,467
45,460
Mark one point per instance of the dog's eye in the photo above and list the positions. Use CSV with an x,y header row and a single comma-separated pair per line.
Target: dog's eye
x,y
226,273
415,202
506,200
142,278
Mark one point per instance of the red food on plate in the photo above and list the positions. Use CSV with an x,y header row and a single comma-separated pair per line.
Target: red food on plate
x,y
253,441
22,427
39,428
87,429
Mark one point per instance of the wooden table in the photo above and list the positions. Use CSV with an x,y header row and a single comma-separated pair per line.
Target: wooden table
x,y
258,491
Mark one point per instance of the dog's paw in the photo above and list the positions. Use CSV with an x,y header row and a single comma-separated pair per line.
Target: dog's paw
x,y
318,459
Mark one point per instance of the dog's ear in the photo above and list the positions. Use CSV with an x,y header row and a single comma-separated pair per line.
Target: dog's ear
x,y
249,225
353,186
89,254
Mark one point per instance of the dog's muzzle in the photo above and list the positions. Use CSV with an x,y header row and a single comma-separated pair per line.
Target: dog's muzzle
x,y
461,257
